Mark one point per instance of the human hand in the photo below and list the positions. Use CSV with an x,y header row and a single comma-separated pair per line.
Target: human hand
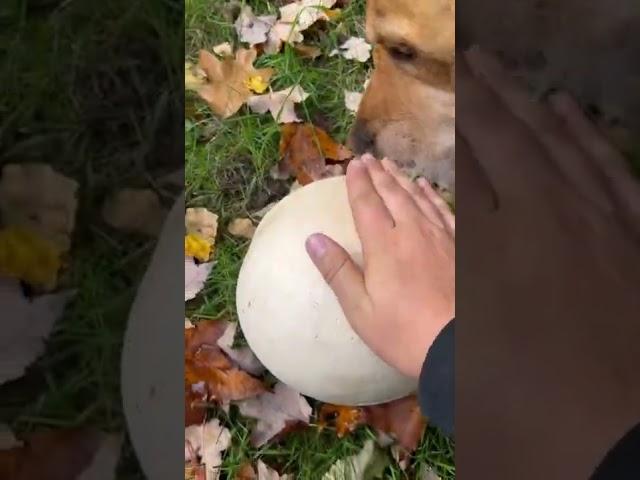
x,y
404,293
547,318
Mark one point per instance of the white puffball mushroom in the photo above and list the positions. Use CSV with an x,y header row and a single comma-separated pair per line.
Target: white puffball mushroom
x,y
152,369
290,317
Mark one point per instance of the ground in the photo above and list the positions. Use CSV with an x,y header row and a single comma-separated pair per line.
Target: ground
x,y
227,171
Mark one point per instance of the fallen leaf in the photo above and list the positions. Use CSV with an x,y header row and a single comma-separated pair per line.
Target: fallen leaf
x,y
281,104
304,150
252,29
275,411
195,275
207,441
243,356
195,411
296,17
205,361
355,48
226,90
223,49
135,210
242,227
197,247
28,323
267,473
34,196
195,472
352,100
304,13
343,418
246,472
427,473
400,419
202,222
367,464
25,256
307,51
194,77
82,454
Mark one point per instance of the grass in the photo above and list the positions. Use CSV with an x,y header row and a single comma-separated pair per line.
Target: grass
x,y
92,89
227,171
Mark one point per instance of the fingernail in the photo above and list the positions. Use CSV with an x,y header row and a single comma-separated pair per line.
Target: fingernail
x,y
355,163
316,245
368,159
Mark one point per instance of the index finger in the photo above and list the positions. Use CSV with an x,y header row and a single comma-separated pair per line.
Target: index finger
x,y
370,214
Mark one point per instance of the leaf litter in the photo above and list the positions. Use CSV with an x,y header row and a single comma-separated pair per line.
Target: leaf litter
x,y
216,371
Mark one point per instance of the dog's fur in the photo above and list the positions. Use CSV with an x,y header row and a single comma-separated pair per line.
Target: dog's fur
x,y
407,112
587,48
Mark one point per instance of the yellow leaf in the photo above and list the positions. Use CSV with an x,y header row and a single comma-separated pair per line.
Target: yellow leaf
x,y
28,257
256,84
197,247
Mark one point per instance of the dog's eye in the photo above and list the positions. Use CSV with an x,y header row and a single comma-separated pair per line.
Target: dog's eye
x,y
402,52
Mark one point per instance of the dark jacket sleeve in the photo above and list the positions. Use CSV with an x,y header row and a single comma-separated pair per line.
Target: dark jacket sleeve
x,y
623,461
437,381
436,396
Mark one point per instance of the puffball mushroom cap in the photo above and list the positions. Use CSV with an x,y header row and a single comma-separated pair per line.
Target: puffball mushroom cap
x,y
290,317
153,356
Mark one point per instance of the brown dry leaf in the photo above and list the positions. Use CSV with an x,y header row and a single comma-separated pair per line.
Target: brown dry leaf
x,y
307,51
61,454
242,227
135,210
344,419
34,196
400,419
275,411
206,362
267,473
304,150
246,472
226,89
202,222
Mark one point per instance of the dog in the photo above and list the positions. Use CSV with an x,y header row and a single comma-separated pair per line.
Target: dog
x,y
407,112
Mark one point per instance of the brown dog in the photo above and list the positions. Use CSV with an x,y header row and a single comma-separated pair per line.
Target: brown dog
x,y
408,110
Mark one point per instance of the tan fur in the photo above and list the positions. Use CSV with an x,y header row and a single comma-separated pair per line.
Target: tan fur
x,y
408,109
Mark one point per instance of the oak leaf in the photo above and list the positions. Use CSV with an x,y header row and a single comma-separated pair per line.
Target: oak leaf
x,y
135,210
280,104
275,411
202,222
36,197
355,48
400,419
253,29
195,276
206,362
304,150
26,326
226,89
207,442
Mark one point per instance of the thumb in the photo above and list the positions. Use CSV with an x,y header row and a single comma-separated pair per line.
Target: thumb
x,y
340,272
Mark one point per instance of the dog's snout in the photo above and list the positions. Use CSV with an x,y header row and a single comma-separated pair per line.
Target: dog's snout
x,y
361,139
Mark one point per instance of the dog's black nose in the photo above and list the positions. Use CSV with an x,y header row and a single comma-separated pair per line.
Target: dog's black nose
x,y
361,139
